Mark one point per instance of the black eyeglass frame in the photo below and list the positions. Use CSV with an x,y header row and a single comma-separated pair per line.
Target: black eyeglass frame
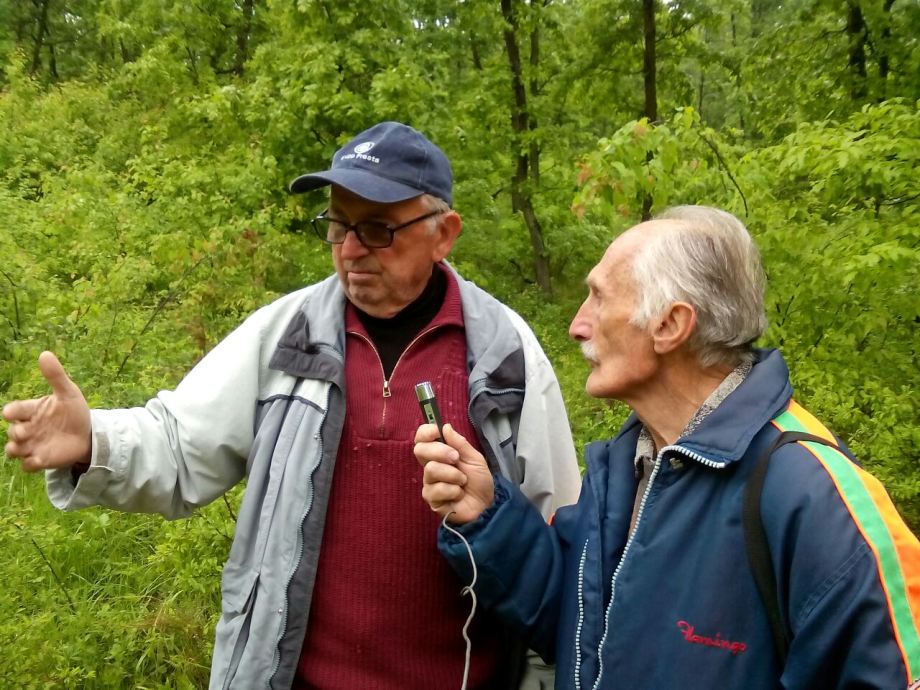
x,y
323,234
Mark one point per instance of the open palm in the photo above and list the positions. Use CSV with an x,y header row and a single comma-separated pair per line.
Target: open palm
x,y
52,431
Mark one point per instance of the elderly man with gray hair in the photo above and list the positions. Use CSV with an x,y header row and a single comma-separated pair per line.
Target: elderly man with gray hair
x,y
724,538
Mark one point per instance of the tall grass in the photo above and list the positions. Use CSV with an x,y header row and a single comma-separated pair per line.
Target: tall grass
x,y
98,599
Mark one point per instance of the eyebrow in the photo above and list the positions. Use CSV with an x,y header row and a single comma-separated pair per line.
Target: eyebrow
x,y
339,214
591,282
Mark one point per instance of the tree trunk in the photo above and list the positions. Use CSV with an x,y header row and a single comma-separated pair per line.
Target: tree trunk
x,y
242,38
883,65
699,99
520,124
648,62
760,9
856,31
474,48
739,77
649,75
39,36
52,63
534,89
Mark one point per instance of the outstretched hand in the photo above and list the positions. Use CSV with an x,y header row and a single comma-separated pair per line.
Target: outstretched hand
x,y
53,431
456,479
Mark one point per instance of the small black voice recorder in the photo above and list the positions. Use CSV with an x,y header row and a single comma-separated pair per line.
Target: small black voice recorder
x,y
425,394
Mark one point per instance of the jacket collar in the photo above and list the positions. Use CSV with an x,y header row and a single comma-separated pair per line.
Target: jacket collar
x,y
726,433
313,343
494,353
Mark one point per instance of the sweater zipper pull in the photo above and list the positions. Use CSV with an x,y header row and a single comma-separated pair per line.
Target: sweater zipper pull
x,y
386,389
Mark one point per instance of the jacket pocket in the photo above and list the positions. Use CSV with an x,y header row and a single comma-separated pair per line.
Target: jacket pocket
x,y
238,595
506,451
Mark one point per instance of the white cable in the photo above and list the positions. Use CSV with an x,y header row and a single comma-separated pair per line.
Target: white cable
x,y
466,590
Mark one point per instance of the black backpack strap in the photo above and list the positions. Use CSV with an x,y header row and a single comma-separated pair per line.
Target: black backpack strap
x,y
755,538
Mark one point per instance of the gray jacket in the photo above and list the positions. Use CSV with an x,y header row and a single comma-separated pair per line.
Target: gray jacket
x,y
267,403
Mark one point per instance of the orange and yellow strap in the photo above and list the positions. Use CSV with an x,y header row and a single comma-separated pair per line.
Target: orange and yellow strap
x,y
896,549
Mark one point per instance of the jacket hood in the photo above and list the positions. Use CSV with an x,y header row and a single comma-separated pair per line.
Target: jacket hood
x,y
315,348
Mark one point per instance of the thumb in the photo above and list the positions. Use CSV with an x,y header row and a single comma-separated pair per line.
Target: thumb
x,y
452,438
54,374
459,442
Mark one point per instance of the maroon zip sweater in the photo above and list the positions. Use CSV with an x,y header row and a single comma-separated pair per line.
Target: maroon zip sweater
x,y
387,612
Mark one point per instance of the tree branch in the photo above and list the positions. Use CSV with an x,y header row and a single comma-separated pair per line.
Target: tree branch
x,y
17,327
166,299
724,165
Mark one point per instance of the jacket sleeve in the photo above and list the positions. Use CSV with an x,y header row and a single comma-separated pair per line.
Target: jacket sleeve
x,y
847,639
184,448
852,578
519,561
545,447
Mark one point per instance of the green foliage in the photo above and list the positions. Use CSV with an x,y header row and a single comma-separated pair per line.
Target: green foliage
x,y
848,314
91,600
834,209
673,162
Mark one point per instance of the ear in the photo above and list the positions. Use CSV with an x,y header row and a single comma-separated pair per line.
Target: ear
x,y
448,231
674,327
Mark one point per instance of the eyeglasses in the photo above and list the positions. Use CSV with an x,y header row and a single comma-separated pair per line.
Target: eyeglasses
x,y
372,234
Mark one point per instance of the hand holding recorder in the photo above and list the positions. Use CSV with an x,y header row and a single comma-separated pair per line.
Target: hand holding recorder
x,y
456,478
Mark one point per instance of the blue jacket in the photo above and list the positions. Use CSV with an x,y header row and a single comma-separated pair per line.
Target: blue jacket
x,y
676,605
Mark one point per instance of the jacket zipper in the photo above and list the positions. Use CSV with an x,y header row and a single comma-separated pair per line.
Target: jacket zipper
x,y
386,384
405,350
616,572
581,614
303,517
694,456
493,391
613,581
387,392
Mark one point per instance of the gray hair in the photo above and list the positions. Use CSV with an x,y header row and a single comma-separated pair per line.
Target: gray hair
x,y
710,261
433,203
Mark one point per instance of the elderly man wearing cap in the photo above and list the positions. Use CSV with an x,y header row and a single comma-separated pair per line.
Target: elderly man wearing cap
x,y
334,579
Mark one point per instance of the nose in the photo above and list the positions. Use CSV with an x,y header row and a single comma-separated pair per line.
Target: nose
x,y
352,248
580,328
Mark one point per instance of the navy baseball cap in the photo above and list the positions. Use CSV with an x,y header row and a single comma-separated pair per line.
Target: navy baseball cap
x,y
388,163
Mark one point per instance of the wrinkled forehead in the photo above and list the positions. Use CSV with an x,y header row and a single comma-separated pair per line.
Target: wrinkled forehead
x,y
615,267
616,264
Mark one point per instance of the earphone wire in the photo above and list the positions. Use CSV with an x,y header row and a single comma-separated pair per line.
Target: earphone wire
x,y
469,589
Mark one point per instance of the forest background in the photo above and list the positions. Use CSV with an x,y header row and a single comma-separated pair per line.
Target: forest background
x,y
147,144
